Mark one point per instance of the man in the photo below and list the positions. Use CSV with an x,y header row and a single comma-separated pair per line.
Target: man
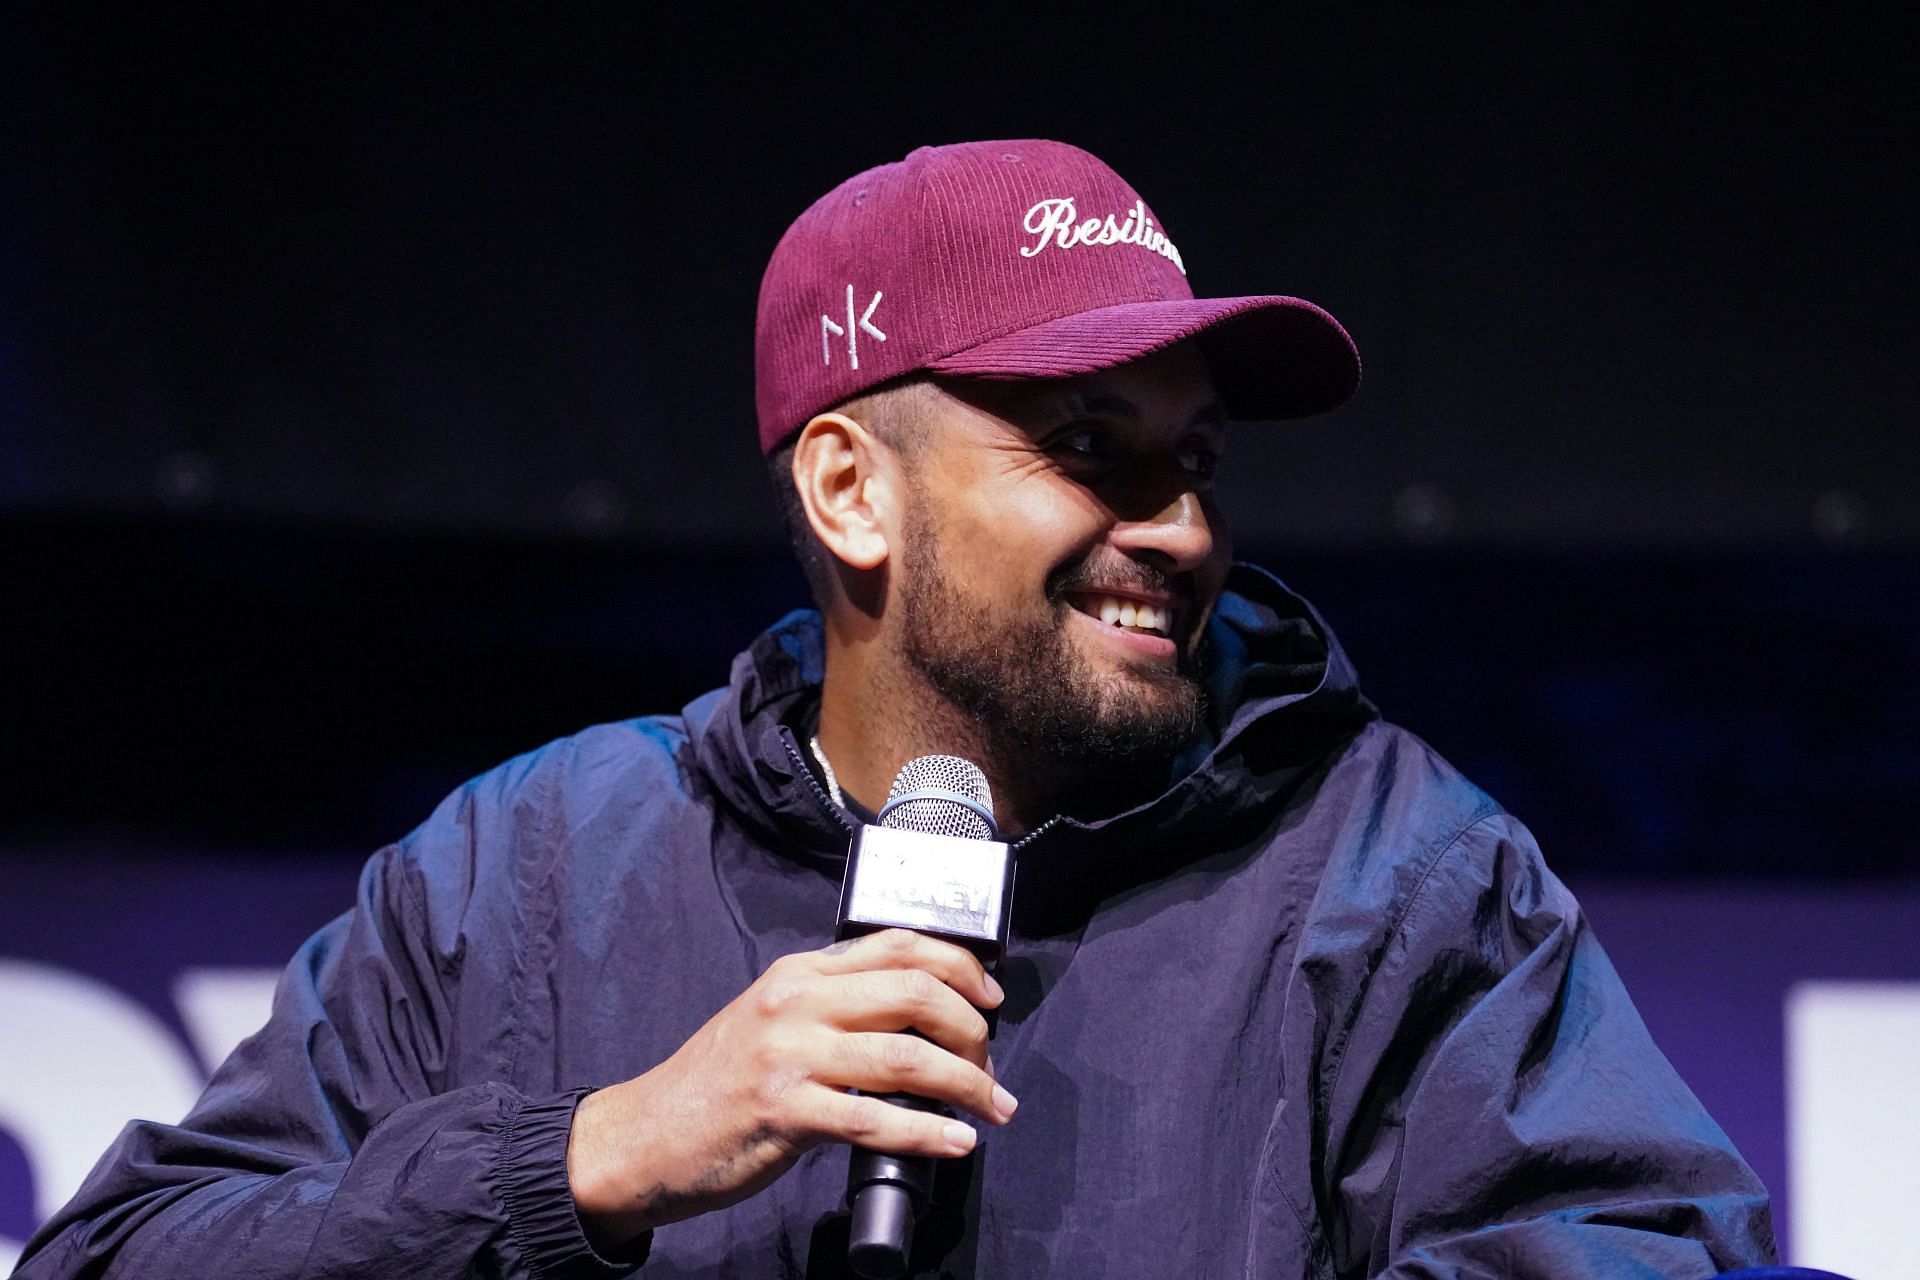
x,y
1285,996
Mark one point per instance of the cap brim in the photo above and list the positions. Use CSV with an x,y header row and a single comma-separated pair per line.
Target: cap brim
x,y
1271,357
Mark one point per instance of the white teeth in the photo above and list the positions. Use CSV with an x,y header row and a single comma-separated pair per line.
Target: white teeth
x,y
1131,613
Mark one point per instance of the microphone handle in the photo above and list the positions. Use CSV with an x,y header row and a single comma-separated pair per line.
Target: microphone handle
x,y
887,1195
932,864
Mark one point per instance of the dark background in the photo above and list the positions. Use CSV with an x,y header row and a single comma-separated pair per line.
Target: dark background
x,y
375,391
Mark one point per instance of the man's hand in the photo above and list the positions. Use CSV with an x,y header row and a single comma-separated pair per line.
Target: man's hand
x,y
767,1077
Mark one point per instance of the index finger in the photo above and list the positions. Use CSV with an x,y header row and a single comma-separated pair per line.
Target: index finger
x,y
953,964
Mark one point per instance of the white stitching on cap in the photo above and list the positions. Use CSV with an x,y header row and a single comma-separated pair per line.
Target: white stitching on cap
x,y
1056,221
829,330
827,326
866,317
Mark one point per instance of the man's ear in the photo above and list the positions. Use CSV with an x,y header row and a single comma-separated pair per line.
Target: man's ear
x,y
845,481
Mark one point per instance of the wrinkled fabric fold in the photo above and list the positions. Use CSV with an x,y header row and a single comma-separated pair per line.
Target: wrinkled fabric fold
x,y
532,1171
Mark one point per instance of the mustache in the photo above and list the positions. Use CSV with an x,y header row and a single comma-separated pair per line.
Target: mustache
x,y
1121,573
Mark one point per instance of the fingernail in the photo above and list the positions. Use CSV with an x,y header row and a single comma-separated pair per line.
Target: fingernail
x,y
1003,1101
958,1135
993,990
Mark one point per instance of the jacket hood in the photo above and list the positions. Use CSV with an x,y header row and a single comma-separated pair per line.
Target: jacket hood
x,y
1281,691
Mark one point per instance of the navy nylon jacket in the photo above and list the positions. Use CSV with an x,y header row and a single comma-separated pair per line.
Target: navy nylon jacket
x,y
1317,1010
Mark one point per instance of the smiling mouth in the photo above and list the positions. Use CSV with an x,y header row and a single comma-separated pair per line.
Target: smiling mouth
x,y
1126,614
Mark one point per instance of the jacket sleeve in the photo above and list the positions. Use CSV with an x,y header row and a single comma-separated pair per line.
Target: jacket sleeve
x,y
1499,1109
329,1144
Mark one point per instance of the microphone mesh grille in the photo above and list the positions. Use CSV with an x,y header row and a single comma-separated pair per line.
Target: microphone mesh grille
x,y
935,815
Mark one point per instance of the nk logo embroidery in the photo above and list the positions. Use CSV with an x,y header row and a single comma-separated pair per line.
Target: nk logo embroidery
x,y
850,331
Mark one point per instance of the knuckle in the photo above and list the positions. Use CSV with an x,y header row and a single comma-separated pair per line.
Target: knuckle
x,y
919,987
900,942
776,997
866,1117
901,1055
773,1054
777,1088
973,1035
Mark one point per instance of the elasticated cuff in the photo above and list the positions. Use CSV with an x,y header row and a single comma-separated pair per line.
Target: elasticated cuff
x,y
541,1216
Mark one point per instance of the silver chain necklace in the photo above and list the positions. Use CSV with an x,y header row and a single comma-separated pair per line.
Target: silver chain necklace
x,y
826,767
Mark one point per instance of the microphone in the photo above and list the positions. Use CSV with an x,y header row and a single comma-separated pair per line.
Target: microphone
x,y
931,864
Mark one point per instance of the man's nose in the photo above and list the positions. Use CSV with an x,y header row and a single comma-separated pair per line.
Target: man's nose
x,y
1180,528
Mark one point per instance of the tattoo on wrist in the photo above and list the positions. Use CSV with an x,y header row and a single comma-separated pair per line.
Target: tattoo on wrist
x,y
661,1204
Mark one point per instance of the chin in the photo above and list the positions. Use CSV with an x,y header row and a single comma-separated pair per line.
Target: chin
x,y
1134,715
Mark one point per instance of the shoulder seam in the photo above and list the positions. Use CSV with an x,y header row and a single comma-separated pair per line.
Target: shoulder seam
x,y
524,883
1488,811
1399,921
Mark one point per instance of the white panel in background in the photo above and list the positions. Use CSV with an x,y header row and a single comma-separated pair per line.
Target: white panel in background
x,y
1853,1126
222,1007
81,1059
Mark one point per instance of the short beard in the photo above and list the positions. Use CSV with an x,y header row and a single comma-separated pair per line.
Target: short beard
x,y
1020,681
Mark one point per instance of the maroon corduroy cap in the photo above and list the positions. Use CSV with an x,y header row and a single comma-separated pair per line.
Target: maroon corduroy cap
x,y
1027,259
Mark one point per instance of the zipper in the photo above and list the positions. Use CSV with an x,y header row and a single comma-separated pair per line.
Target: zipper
x,y
800,766
1038,831
845,819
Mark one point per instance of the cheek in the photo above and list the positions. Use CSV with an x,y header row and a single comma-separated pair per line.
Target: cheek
x,y
1030,528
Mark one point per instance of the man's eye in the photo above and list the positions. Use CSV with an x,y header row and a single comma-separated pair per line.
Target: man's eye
x,y
1085,442
1200,460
